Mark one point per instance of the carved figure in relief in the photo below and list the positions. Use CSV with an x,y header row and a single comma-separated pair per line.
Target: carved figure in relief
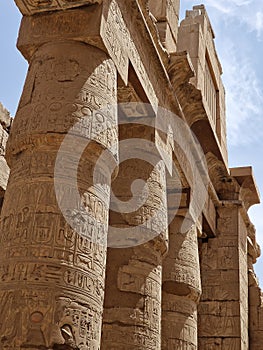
x,y
11,322
43,231
6,224
35,332
23,223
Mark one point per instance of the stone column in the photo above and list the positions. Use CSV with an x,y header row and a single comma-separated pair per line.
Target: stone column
x,y
181,289
132,308
223,309
51,276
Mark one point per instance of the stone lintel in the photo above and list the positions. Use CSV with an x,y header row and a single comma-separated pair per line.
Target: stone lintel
x,y
249,190
81,24
31,7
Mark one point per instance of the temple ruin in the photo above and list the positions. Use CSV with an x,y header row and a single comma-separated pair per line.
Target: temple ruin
x,y
122,225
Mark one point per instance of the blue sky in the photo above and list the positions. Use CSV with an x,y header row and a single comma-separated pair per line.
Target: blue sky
x,y
238,26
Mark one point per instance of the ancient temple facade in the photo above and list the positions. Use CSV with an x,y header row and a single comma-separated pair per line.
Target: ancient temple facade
x,y
122,225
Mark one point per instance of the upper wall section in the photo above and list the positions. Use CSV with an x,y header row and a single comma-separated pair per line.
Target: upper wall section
x,y
196,36
166,13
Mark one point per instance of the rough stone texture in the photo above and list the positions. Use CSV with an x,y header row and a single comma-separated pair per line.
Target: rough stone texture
x,y
188,285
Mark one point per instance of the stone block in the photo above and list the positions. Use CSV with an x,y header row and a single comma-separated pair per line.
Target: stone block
x,y
188,39
231,344
217,308
166,36
60,25
217,326
31,7
210,343
256,340
220,285
158,9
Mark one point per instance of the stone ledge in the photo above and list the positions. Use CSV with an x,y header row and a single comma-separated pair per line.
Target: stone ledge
x,y
246,180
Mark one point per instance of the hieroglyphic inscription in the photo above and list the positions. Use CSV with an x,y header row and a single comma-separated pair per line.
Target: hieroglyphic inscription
x,y
40,251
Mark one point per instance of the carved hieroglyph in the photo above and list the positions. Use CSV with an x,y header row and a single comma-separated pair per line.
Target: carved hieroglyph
x,y
52,277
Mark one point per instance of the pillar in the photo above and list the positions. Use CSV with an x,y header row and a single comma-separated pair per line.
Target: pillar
x,y
132,308
181,288
51,276
223,309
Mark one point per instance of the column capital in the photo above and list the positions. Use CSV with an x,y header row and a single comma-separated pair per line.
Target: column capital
x,y
31,7
58,26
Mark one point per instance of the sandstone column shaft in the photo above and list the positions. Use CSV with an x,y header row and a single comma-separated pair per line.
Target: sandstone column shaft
x,y
132,309
181,289
52,277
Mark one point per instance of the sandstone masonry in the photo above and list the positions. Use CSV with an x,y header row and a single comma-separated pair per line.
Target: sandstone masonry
x,y
90,257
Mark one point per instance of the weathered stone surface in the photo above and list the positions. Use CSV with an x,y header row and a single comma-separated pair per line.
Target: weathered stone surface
x,y
136,278
181,275
30,7
61,270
